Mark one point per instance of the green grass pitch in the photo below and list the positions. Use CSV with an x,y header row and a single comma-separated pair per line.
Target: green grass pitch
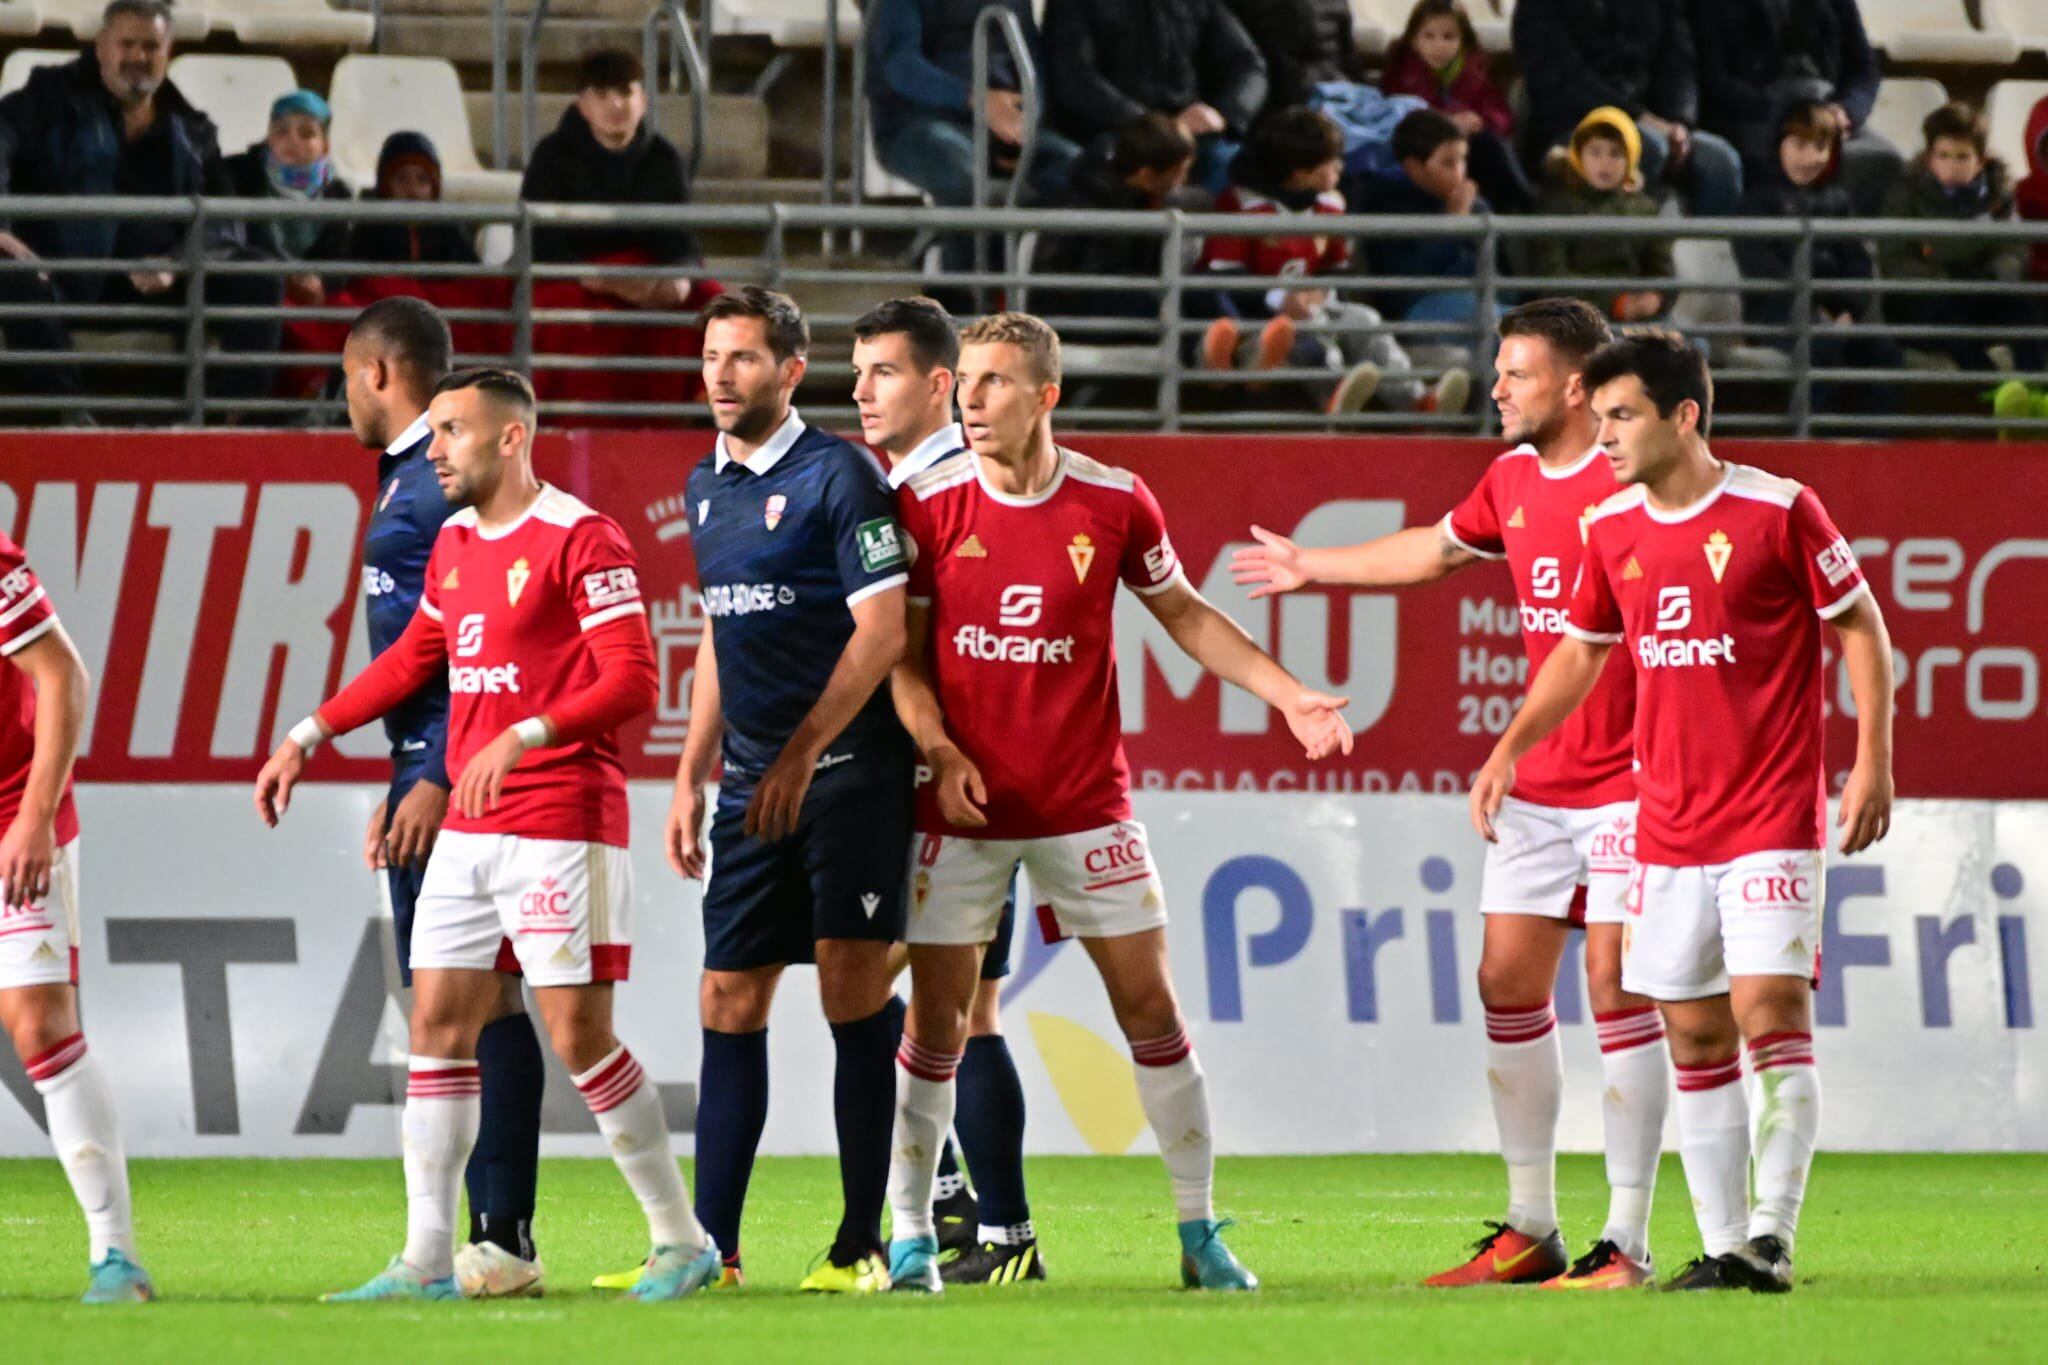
x,y
1901,1258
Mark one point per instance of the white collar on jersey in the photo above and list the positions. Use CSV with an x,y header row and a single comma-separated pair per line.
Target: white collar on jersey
x,y
772,450
1574,467
930,450
410,437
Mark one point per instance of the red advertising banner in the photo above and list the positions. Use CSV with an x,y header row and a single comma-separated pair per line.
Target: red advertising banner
x,y
210,581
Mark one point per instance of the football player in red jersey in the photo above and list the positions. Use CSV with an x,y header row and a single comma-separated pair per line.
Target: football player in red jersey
x,y
1718,578
1009,690
1568,832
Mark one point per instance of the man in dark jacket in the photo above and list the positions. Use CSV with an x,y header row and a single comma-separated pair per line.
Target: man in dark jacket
x,y
1109,61
1305,43
1756,56
111,123
1637,56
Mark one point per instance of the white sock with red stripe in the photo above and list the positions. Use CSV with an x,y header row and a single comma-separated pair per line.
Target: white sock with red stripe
x,y
1525,1077
79,1105
1175,1095
443,1105
924,1111
1713,1143
1787,1127
635,1130
1637,1067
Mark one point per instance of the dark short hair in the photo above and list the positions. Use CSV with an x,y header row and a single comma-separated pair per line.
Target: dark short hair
x,y
1421,132
494,381
609,68
159,11
1151,142
1573,327
1809,121
1426,10
411,331
1287,141
1956,120
1670,367
924,323
788,333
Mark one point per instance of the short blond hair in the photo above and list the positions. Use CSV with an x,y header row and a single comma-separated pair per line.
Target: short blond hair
x,y
1033,336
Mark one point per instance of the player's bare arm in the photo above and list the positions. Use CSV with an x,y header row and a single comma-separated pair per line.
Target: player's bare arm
x,y
875,647
1563,683
30,844
683,837
1220,645
961,792
1416,554
1866,811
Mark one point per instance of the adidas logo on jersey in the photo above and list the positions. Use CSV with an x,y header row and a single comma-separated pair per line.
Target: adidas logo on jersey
x,y
970,548
44,952
451,581
1516,521
1631,571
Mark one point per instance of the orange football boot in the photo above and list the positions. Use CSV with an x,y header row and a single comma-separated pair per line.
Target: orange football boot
x,y
1606,1266
1505,1256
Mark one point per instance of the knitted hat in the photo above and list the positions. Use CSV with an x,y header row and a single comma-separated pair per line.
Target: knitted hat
x,y
302,102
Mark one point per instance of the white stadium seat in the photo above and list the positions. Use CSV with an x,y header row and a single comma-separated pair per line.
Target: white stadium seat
x,y
189,22
292,23
2006,110
374,97
1490,22
19,18
785,23
235,92
1903,103
14,72
2025,20
1933,31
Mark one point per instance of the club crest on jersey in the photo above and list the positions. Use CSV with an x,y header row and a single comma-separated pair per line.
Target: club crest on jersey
x,y
1516,521
970,548
777,505
1082,554
1631,571
1718,548
515,579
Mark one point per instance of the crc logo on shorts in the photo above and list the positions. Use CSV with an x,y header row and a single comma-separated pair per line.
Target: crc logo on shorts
x,y
609,587
469,636
1121,857
1022,604
23,919
545,909
1614,846
1788,886
1546,577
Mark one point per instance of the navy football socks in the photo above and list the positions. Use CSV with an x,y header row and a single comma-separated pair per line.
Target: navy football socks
x,y
864,1112
732,1109
505,1165
989,1117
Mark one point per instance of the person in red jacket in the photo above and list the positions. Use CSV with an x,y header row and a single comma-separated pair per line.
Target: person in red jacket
x,y
2030,196
1437,59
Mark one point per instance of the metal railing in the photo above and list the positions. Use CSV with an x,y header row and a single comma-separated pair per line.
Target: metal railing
x,y
1133,338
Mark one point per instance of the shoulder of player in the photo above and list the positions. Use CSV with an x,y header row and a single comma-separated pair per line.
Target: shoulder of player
x,y
1755,485
1094,473
952,472
1615,504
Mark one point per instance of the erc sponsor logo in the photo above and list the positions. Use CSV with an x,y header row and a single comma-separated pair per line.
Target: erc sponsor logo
x,y
744,599
979,642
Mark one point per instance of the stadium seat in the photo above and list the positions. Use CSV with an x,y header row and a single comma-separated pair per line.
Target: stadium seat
x,y
292,23
879,182
374,97
1934,31
19,19
1490,21
2006,110
235,92
14,72
189,22
1369,29
2025,20
1903,102
785,23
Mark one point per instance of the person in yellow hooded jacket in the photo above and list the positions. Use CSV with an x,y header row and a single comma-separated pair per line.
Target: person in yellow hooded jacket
x,y
1599,175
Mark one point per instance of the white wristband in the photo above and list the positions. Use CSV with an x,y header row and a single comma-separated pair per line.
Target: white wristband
x,y
307,734
532,732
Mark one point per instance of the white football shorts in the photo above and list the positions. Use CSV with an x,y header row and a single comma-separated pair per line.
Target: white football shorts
x,y
1100,883
39,941
1690,929
1544,854
566,907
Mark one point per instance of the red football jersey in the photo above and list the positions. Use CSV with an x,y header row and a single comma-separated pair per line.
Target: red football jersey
x,y
513,606
1535,518
1297,252
1021,644
1721,606
26,613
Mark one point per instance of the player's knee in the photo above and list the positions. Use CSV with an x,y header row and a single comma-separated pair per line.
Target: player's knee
x,y
1152,1012
1504,984
734,1002
1698,1041
1603,988
39,1033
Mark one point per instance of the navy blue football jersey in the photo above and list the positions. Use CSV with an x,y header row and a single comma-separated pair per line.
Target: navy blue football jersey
x,y
404,520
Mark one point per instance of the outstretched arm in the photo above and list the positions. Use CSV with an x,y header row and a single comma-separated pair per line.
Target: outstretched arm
x,y
1220,645
1418,554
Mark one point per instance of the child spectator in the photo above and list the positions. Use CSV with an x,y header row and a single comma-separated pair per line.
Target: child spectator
x,y
1953,179
1804,184
291,163
2031,195
1437,60
1289,168
1599,175
1430,179
409,171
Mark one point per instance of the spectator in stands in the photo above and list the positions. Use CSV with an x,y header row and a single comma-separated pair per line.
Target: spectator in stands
x,y
1429,151
291,163
1955,180
409,171
1109,61
1637,56
2031,194
1600,176
1306,43
1437,59
1288,172
1803,184
1756,56
604,151
112,123
920,100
